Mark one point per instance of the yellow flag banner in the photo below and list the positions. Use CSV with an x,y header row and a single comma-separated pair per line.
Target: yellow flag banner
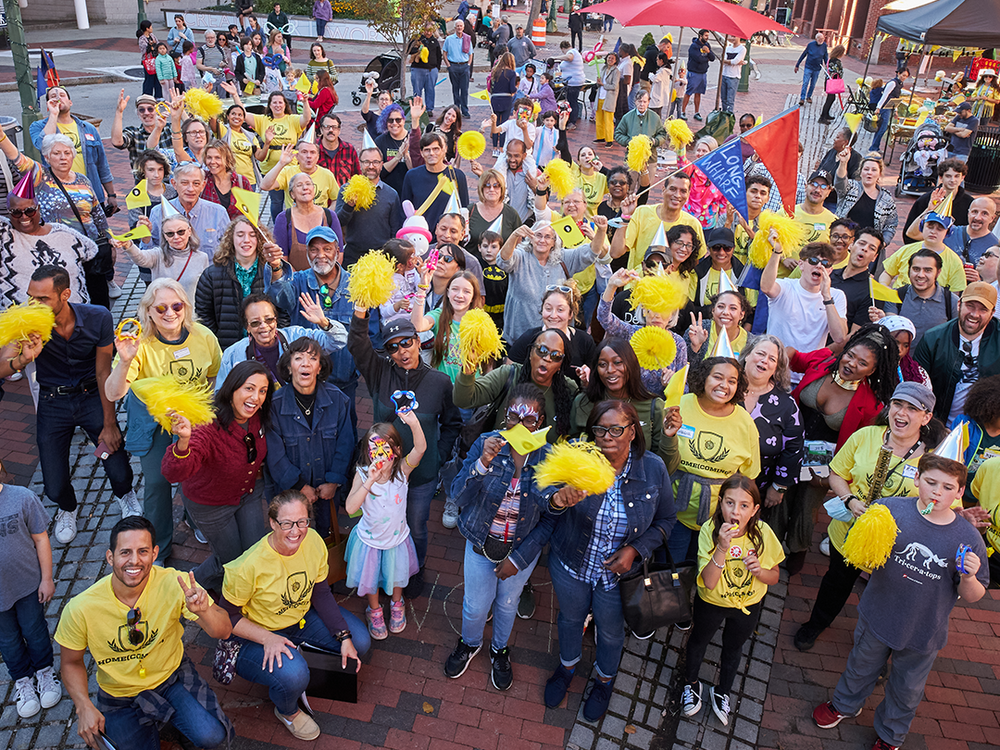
x,y
138,197
248,203
852,120
484,95
523,441
566,229
675,388
249,88
138,233
880,291
302,84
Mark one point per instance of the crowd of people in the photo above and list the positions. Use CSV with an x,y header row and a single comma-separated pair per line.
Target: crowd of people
x,y
799,381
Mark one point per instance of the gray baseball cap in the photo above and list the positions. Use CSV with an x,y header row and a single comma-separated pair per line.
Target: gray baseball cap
x,y
917,394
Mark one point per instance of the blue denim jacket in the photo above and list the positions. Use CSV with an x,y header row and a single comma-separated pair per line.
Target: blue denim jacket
x,y
96,161
649,504
317,454
479,495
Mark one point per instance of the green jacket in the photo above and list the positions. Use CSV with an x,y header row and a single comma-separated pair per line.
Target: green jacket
x,y
650,418
940,354
471,392
633,124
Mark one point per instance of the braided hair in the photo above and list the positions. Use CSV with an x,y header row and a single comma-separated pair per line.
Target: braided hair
x,y
883,346
561,397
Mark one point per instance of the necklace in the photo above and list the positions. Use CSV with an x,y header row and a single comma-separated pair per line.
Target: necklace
x,y
307,410
847,385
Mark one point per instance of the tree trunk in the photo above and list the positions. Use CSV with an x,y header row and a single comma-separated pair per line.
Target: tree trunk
x,y
536,7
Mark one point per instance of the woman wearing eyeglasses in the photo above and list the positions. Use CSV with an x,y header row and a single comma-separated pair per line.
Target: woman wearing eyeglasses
x,y
237,271
863,201
293,224
271,618
594,540
178,257
560,308
172,343
492,205
220,468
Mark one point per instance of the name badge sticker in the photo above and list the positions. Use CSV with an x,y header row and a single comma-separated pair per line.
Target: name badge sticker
x,y
185,352
819,227
909,471
686,431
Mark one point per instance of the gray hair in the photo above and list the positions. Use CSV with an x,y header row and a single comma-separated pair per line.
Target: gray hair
x,y
168,252
527,245
209,31
709,141
50,141
187,166
782,375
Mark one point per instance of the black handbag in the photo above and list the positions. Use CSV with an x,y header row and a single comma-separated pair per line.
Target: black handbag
x,y
659,594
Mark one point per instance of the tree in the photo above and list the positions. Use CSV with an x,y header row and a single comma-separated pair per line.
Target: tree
x,y
399,22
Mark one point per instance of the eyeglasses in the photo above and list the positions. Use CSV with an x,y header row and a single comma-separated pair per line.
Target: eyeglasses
x,y
145,110
370,162
987,254
683,245
447,258
550,354
841,237
817,184
814,261
529,420
255,324
175,233
251,446
133,618
559,288
176,307
331,126
615,430
401,344
302,523
395,119
17,213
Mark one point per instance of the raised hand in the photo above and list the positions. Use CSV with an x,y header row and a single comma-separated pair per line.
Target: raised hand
x,y
672,420
127,347
287,155
312,310
180,426
491,447
122,102
697,332
195,596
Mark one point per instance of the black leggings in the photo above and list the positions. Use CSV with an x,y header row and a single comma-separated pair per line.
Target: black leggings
x,y
830,98
576,38
739,627
834,590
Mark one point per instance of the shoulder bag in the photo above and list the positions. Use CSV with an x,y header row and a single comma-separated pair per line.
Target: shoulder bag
x,y
659,594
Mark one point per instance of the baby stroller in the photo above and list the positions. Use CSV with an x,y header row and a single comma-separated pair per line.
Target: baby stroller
x,y
918,170
388,67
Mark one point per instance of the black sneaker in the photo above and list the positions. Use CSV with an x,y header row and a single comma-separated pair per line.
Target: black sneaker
x,y
502,675
458,661
683,626
806,637
526,604
720,704
691,699
598,700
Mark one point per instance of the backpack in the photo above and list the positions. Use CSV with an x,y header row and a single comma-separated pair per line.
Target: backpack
x,y
948,301
719,125
149,64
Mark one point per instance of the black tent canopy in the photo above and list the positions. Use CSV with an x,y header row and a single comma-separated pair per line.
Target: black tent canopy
x,y
951,23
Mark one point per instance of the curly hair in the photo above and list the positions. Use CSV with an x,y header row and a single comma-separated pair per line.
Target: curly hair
x,y
382,123
982,405
633,388
700,372
673,234
883,346
561,396
225,254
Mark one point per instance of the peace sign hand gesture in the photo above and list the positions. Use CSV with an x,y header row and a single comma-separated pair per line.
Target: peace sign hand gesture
x,y
195,596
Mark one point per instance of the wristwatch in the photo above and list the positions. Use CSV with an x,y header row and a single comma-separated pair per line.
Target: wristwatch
x,y
343,635
329,325
828,301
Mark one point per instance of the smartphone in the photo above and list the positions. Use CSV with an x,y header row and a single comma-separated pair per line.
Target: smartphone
x,y
102,451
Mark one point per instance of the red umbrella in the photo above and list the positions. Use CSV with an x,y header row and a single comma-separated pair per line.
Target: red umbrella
x,y
724,18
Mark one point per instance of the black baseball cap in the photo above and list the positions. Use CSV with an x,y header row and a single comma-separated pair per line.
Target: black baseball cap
x,y
399,328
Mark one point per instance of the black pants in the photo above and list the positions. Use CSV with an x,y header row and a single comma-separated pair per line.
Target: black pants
x,y
826,106
573,97
834,590
576,37
739,627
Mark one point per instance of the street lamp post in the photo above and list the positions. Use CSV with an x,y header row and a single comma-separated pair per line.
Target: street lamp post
x,y
22,73
745,70
142,10
551,23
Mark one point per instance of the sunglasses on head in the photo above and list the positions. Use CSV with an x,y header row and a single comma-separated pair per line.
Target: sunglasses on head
x,y
17,213
814,261
559,288
176,307
615,430
401,344
251,446
550,354
133,618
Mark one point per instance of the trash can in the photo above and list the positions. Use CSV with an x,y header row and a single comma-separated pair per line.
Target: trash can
x,y
984,161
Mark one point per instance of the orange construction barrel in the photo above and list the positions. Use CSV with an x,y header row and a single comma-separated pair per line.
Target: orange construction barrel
x,y
538,32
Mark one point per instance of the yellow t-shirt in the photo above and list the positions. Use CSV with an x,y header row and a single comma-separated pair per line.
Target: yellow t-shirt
x,y
952,271
817,224
737,587
741,249
594,188
275,590
715,448
71,131
986,488
98,620
243,146
194,360
855,463
323,179
641,229
737,344
287,129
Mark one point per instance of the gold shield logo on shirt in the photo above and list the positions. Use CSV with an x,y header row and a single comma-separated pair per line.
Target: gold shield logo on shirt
x,y
297,584
709,446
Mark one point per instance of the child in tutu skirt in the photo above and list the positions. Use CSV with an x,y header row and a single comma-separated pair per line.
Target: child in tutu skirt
x,y
380,550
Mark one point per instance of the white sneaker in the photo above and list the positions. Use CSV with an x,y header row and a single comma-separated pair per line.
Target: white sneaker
x,y
114,291
49,687
200,537
824,546
27,698
65,526
720,704
129,504
449,519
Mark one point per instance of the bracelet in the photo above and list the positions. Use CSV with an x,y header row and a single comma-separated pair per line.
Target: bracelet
x,y
552,504
343,635
173,449
828,301
16,356
720,567
541,192
4,136
406,460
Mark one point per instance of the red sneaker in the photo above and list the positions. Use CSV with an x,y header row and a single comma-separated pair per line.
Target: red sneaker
x,y
827,717
881,744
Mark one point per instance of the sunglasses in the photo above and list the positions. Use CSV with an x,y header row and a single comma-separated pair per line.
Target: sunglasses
x,y
814,261
401,344
17,213
302,523
145,110
987,254
492,186
327,299
550,354
134,616
447,258
559,288
395,119
174,233
615,430
255,324
251,445
176,307
618,183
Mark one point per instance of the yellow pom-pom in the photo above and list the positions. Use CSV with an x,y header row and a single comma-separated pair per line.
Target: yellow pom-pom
x,y
18,321
560,176
679,133
478,339
202,103
791,236
640,149
654,347
165,395
870,541
371,281
660,294
425,54
579,464
471,145
360,191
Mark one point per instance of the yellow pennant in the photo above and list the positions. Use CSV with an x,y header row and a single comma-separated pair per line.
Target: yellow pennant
x,y
138,197
566,229
675,388
302,84
249,88
315,89
852,120
248,203
484,95
523,441
882,292
138,233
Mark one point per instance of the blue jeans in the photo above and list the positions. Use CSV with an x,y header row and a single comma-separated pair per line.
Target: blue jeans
x,y
57,420
482,589
576,599
459,75
809,78
320,27
423,81
158,493
884,115
25,644
124,729
729,93
286,683
418,510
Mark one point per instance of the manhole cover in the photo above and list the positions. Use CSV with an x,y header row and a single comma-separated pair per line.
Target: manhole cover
x,y
135,72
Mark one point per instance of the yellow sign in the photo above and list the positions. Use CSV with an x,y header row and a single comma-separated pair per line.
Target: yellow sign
x,y
248,203
138,197
138,233
567,230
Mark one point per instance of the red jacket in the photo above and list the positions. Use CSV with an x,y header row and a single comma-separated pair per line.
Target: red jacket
x,y
864,405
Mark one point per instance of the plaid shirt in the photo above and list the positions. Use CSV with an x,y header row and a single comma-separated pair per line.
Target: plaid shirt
x,y
610,528
343,162
134,139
